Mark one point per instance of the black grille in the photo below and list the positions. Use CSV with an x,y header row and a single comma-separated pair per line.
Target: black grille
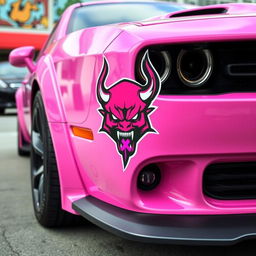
x,y
230,181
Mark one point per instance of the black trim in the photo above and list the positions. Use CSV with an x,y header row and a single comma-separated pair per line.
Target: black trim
x,y
230,181
174,229
210,11
242,69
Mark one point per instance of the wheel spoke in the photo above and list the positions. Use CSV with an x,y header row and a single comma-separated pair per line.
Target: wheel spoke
x,y
41,189
36,197
36,174
38,190
37,143
39,171
38,123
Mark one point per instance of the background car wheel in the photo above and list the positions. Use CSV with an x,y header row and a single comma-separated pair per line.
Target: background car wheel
x,y
1,110
23,147
44,173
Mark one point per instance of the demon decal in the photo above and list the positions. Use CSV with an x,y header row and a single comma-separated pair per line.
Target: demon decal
x,y
126,106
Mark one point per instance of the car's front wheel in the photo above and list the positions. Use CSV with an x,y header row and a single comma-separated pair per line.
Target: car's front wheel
x,y
44,172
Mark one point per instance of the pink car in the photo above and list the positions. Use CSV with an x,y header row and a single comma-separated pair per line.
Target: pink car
x,y
141,117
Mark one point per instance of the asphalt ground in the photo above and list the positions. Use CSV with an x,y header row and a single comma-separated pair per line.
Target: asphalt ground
x,y
20,234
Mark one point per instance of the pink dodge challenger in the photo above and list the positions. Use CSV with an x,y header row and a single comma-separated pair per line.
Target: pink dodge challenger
x,y
141,117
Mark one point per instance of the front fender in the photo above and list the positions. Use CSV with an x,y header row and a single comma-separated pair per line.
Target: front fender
x,y
46,78
70,182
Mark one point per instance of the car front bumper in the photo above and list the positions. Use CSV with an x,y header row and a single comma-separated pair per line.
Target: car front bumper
x,y
174,229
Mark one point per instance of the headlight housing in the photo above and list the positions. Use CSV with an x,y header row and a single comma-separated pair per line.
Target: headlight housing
x,y
161,61
194,67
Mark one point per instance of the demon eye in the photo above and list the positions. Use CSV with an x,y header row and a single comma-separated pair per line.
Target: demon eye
x,y
135,117
114,117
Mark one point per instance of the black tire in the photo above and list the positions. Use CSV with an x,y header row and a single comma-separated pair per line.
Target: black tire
x,y
1,111
24,149
44,173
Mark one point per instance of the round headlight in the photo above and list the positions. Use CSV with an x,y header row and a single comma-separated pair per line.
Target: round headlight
x,y
194,67
161,61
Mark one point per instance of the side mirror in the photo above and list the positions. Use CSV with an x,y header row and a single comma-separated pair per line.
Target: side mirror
x,y
23,57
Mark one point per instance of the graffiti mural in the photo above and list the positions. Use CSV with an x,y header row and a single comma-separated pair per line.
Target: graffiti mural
x,y
26,14
32,14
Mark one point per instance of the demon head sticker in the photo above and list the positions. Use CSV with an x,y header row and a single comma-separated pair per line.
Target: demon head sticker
x,y
126,107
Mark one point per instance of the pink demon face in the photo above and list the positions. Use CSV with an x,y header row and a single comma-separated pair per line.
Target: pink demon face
x,y
125,107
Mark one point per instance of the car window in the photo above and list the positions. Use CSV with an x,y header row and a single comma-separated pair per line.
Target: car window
x,y
103,14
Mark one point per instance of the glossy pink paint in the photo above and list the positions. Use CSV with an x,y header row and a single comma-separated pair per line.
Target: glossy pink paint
x,y
23,57
193,131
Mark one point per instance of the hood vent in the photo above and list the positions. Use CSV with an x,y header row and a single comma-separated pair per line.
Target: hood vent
x,y
209,11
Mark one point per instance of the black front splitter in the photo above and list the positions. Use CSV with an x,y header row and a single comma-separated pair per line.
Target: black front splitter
x,y
169,229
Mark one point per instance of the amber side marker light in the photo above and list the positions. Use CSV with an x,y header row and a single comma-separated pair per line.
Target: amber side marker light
x,y
85,133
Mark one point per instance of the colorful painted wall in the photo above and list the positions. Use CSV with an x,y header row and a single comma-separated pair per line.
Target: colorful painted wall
x,y
28,21
24,14
31,14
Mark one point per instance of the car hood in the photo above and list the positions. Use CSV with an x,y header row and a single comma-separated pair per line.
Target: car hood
x,y
209,11
211,27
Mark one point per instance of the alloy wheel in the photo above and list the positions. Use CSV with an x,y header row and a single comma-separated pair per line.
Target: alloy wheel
x,y
37,160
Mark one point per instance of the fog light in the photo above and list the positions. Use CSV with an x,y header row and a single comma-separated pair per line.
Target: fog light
x,y
149,177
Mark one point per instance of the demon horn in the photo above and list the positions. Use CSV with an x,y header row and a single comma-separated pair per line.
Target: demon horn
x,y
151,89
102,92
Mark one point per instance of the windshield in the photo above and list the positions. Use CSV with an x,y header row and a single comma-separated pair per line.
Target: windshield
x,y
103,14
7,70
